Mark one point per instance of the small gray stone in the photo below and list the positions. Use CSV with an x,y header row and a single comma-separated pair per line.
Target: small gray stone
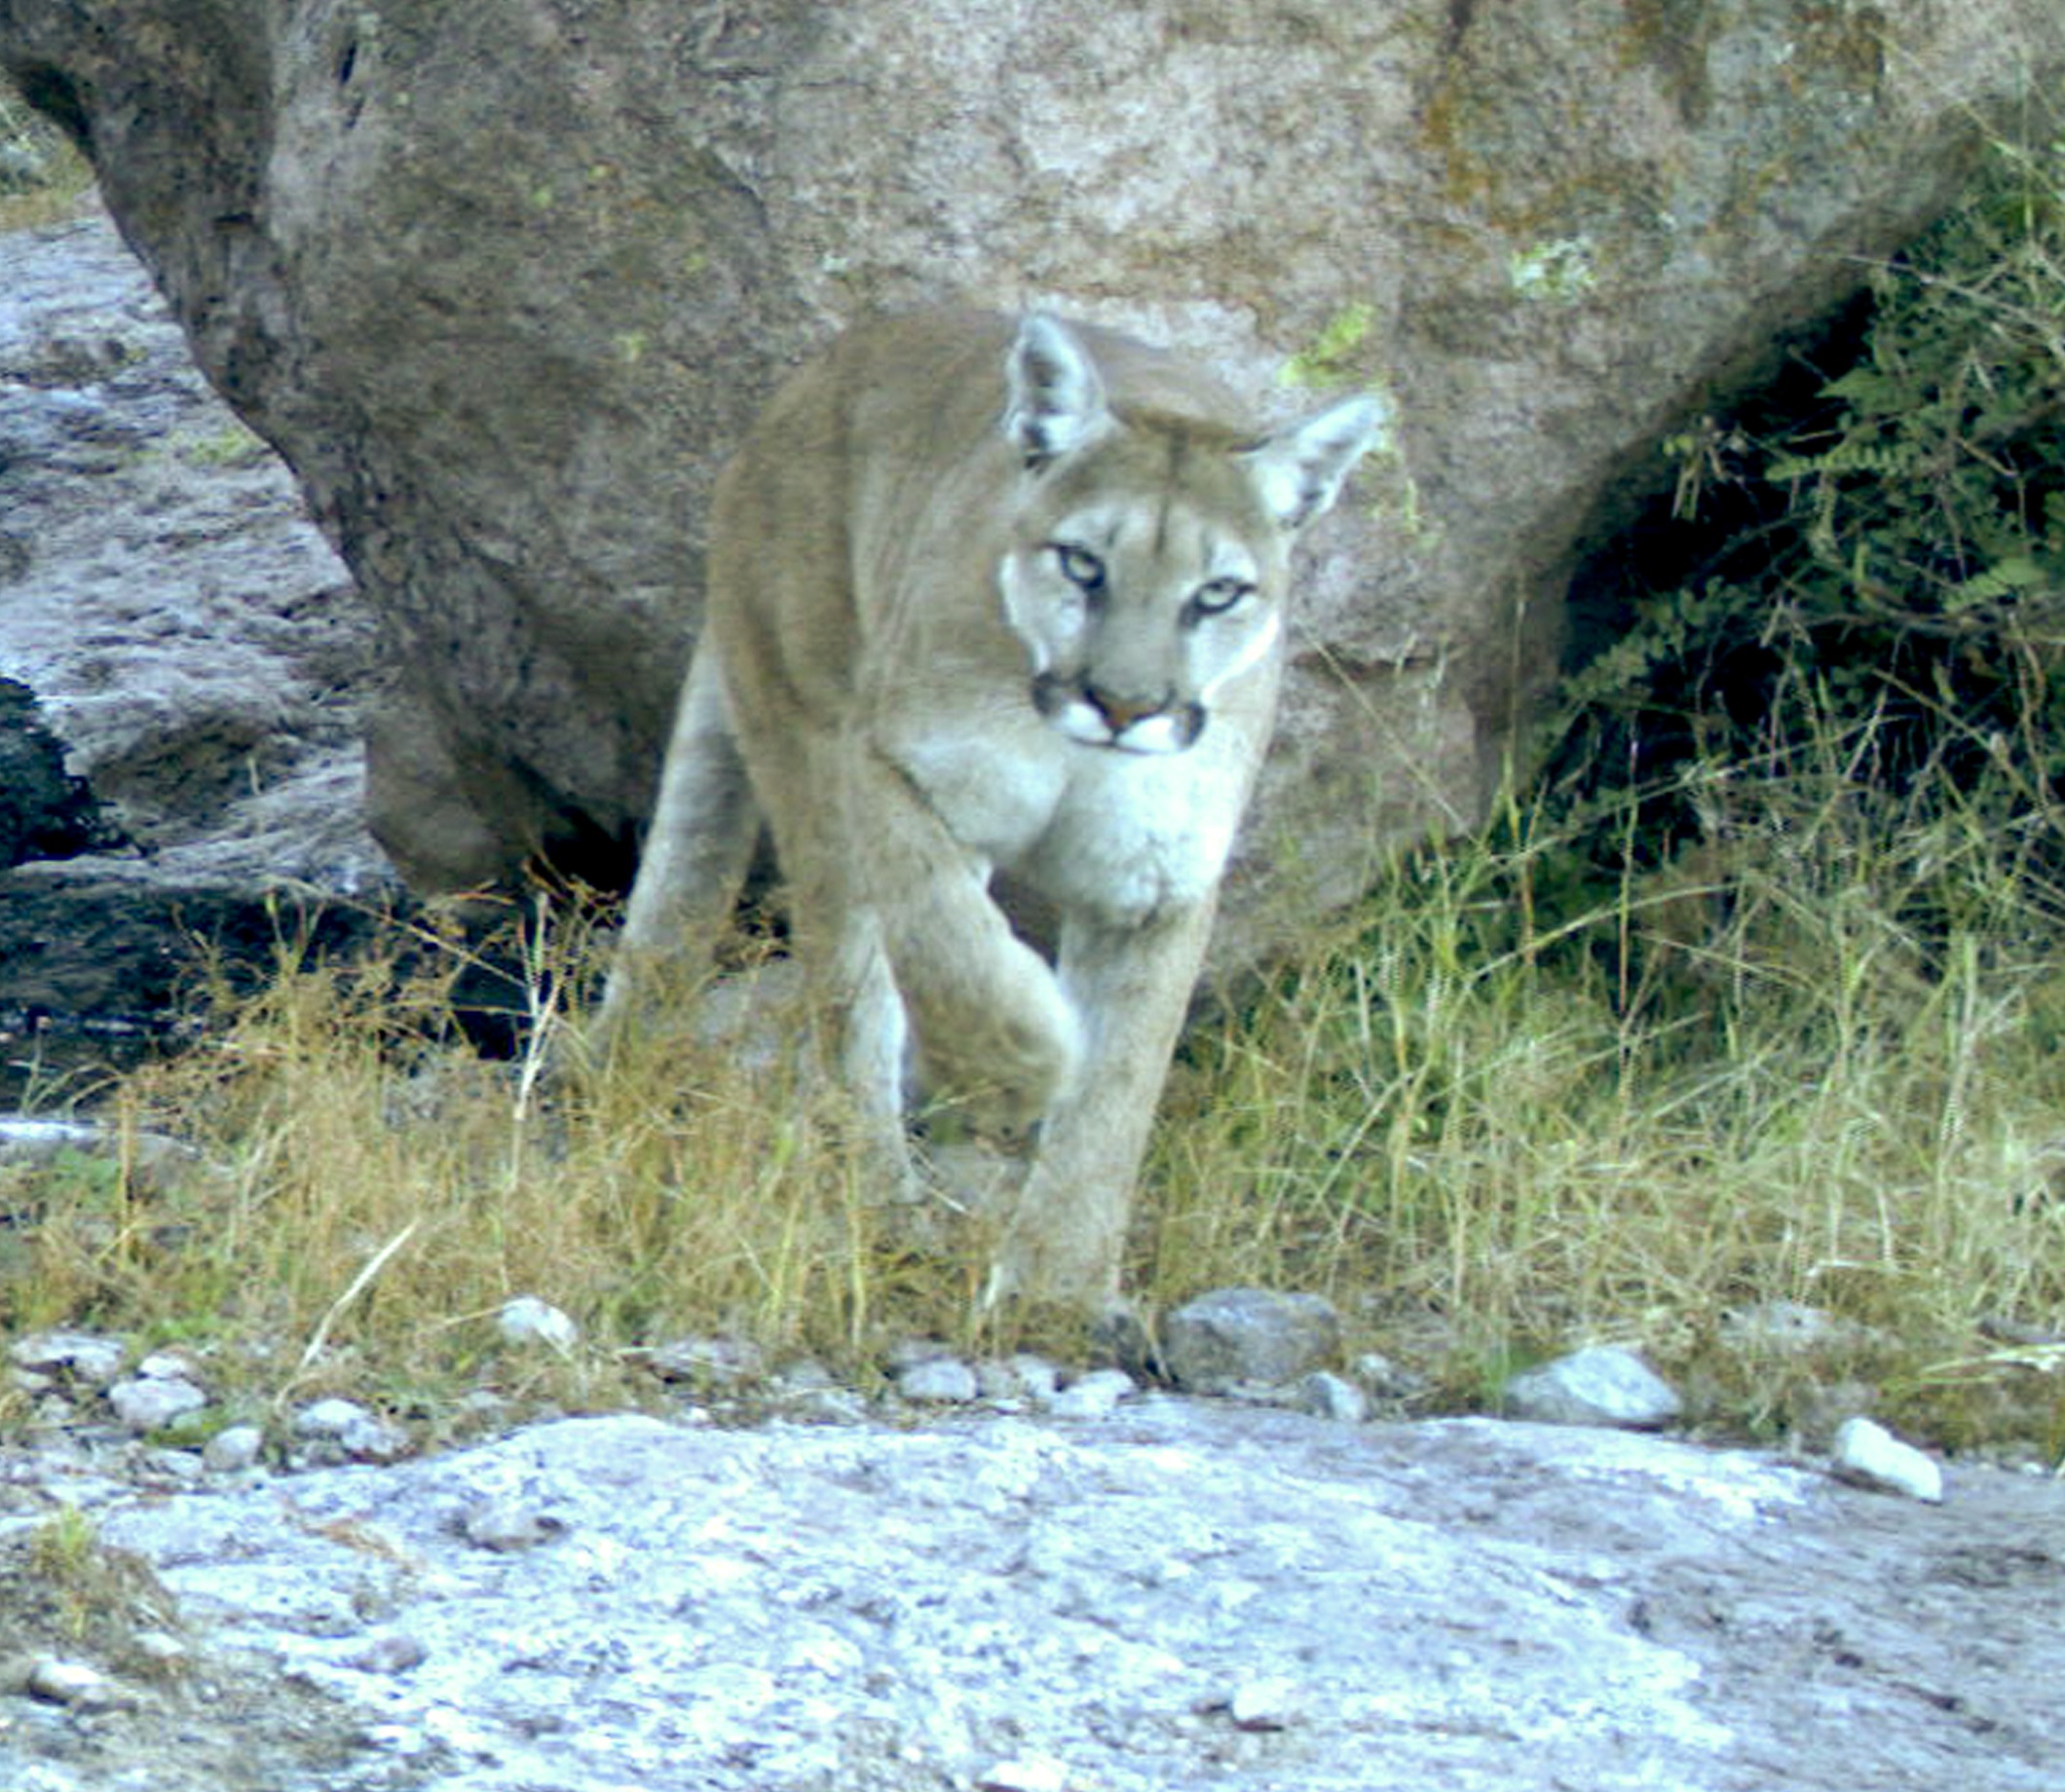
x,y
1037,1377
391,1653
807,1391
804,1375
484,1408
526,1320
508,1525
81,1355
1385,1379
943,1381
174,1462
167,1653
1331,1396
1272,1701
328,1418
151,1404
1782,1327
1235,1337
1022,1378
233,1449
1603,1383
1868,1455
708,1362
1093,1395
21,167
351,1429
68,1683
826,1406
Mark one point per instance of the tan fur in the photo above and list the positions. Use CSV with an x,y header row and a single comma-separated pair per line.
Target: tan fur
x,y
989,596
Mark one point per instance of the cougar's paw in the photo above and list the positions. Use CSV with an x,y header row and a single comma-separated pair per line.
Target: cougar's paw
x,y
996,1076
1031,1272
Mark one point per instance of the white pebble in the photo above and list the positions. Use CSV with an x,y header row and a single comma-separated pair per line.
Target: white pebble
x,y
1094,1396
1027,1774
151,1404
1273,1702
527,1320
1868,1455
68,1683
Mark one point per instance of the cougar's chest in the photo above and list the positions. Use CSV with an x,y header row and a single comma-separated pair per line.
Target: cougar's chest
x,y
1133,836
1119,837
993,779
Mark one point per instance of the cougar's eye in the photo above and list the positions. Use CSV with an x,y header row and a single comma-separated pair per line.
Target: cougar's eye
x,y
1219,595
1079,567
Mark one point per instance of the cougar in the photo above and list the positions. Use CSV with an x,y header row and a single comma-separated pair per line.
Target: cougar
x,y
988,596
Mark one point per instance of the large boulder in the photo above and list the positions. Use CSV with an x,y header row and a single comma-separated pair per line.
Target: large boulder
x,y
504,284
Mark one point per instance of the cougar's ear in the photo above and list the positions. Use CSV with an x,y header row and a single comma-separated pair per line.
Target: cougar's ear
x,y
1300,471
1056,396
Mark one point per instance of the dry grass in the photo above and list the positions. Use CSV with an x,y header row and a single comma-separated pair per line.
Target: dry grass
x,y
1486,1132
1816,1065
373,1191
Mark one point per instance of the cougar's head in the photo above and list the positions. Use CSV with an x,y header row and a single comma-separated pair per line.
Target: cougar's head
x,y
1147,567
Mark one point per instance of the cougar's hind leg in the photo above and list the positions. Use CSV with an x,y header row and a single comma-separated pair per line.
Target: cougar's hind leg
x,y
696,851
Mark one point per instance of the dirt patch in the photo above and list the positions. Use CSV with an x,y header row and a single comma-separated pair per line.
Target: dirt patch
x,y
106,1687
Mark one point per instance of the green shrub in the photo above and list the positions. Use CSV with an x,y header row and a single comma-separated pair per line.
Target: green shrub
x,y
1886,558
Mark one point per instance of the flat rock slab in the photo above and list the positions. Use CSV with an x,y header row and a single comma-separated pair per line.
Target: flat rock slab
x,y
1461,1603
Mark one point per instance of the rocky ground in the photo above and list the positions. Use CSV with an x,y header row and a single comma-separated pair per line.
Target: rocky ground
x,y
181,658
1133,1592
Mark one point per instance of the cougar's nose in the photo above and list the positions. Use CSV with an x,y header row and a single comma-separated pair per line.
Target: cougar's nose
x,y
1120,712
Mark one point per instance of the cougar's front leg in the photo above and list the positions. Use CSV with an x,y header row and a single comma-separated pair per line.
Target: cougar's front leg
x,y
1065,1237
993,1038
915,971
